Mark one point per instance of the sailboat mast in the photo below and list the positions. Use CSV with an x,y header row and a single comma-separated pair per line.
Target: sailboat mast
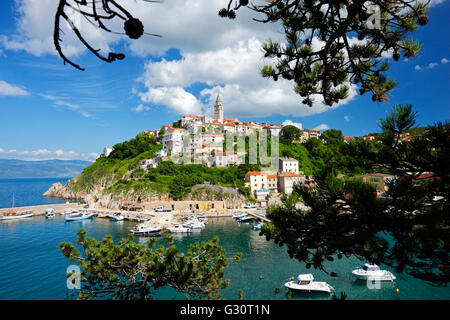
x,y
13,200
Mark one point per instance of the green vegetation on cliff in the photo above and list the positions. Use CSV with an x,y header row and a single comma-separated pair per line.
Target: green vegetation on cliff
x,y
120,173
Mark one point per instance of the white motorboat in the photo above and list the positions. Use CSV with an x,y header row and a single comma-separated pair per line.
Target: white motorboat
x,y
203,219
373,272
257,226
237,217
194,224
116,216
143,230
247,218
179,229
76,216
305,283
68,212
49,213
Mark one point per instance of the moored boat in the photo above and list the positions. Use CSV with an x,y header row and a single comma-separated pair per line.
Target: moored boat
x,y
179,229
305,283
257,226
143,230
116,216
373,272
78,216
13,215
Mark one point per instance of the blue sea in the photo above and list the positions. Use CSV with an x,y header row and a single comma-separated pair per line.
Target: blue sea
x,y
27,191
34,268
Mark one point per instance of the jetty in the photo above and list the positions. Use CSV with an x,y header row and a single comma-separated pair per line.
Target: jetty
x,y
40,209
257,216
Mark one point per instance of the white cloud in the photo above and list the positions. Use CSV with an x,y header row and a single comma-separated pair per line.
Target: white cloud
x,y
223,54
322,127
141,108
431,65
7,89
61,102
347,118
45,154
232,72
290,123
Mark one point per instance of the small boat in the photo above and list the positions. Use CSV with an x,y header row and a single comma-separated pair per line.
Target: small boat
x,y
203,219
305,283
257,226
179,229
78,216
373,272
239,216
68,212
142,230
194,224
116,216
49,213
13,215
102,215
247,218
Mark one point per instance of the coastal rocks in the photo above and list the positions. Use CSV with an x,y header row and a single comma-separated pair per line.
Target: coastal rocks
x,y
57,190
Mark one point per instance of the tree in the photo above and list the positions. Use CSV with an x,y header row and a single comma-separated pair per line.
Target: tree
x,y
128,270
332,44
290,133
408,229
329,44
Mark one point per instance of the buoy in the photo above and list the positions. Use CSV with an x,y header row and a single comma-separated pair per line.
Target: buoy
x,y
260,277
334,278
292,278
397,290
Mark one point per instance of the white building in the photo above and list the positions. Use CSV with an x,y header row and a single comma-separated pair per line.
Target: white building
x,y
173,141
107,151
257,181
288,165
288,180
150,163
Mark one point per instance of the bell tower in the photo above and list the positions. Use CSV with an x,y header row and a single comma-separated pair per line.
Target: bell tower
x,y
218,110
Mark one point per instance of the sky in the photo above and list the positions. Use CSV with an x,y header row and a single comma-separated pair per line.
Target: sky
x,y
49,110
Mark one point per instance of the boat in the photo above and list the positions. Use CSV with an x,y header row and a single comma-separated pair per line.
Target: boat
x,y
257,226
239,216
78,216
102,215
49,213
244,218
116,216
203,219
179,229
162,209
194,224
143,230
372,272
68,212
305,283
13,215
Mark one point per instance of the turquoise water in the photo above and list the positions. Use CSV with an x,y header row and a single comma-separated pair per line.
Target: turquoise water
x,y
27,192
33,268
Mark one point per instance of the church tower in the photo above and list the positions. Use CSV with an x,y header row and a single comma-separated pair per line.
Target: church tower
x,y
218,110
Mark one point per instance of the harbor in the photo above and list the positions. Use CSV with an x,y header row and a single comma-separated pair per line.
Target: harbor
x,y
163,219
29,247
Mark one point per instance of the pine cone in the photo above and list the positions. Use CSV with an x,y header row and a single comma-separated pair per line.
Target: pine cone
x,y
134,28
422,20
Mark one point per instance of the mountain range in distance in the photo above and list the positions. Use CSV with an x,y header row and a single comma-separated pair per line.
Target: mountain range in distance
x,y
14,168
